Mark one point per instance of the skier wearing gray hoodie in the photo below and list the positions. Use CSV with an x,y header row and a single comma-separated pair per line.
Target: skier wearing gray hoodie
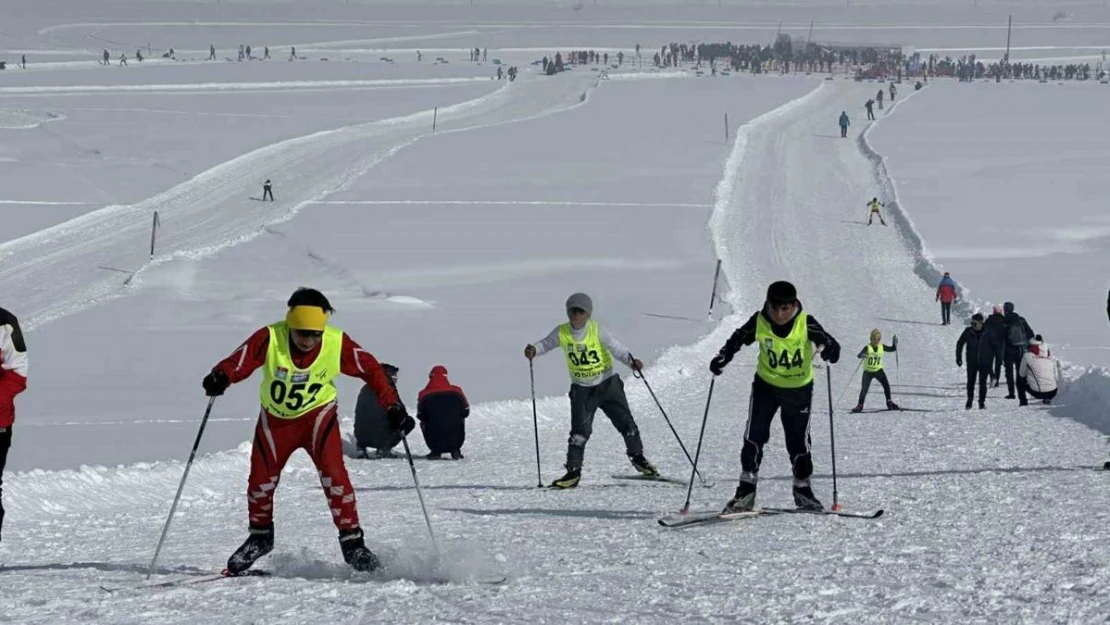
x,y
590,350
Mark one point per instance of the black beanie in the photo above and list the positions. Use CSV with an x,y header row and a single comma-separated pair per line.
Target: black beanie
x,y
781,292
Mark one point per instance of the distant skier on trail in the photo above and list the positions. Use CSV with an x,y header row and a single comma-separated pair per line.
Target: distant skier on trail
x,y
13,381
869,105
785,335
844,122
590,350
267,191
300,358
1038,374
946,294
872,355
873,210
979,349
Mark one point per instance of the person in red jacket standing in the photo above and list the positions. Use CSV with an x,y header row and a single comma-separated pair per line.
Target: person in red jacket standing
x,y
946,294
442,410
300,357
13,381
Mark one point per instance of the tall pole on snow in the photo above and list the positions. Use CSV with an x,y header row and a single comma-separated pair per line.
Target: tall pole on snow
x,y
713,296
1009,27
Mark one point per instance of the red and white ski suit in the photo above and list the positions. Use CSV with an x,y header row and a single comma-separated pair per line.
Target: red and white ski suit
x,y
317,431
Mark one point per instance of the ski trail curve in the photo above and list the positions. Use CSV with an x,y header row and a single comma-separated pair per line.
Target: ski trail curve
x,y
81,262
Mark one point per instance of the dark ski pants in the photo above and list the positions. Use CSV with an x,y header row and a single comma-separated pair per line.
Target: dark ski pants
x,y
879,375
945,313
267,193
843,132
584,403
1012,361
982,372
1023,389
5,444
794,404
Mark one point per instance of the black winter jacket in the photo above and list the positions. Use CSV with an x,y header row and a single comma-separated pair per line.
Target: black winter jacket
x,y
978,348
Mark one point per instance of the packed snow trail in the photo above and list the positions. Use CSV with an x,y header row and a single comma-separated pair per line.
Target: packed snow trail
x,y
62,269
990,516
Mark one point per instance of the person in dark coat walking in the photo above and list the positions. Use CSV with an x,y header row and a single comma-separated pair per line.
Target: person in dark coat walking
x,y
844,122
1017,333
869,105
442,409
374,436
995,325
977,345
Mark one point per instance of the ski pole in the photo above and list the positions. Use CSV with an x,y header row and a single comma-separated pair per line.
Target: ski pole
x,y
697,454
535,424
897,365
181,486
420,495
845,391
716,274
832,437
640,374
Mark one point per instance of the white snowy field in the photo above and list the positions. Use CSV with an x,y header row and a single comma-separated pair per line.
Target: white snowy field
x,y
1003,183
459,247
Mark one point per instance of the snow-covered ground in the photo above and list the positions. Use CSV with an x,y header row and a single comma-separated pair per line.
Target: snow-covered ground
x,y
459,247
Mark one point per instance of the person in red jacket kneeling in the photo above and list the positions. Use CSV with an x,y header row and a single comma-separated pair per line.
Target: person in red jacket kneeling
x,y
442,410
300,358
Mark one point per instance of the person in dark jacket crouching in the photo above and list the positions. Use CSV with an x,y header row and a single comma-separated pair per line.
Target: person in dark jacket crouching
x,y
442,409
374,436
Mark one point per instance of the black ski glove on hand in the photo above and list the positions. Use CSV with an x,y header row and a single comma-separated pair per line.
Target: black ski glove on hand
x,y
717,365
215,383
399,419
959,362
831,352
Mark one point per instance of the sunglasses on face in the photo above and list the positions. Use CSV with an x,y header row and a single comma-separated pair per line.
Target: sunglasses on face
x,y
308,334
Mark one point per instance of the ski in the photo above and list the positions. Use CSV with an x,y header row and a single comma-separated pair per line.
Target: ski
x,y
874,514
705,518
651,478
190,580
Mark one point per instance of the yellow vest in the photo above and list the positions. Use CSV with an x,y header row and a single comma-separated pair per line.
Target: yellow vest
x,y
788,362
288,392
874,360
874,206
587,359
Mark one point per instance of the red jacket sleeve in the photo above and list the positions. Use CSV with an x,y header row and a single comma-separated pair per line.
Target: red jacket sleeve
x,y
359,363
247,357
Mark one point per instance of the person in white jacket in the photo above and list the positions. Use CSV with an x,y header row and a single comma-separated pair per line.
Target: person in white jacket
x,y
1037,375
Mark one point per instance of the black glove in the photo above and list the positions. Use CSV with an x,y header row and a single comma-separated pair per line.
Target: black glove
x,y
717,365
959,362
831,352
400,420
215,383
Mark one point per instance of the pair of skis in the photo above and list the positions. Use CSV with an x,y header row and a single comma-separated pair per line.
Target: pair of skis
x,y
705,518
203,578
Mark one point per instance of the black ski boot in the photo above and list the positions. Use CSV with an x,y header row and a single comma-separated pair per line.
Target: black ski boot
x,y
967,406
891,405
643,466
570,480
804,497
744,501
259,543
355,552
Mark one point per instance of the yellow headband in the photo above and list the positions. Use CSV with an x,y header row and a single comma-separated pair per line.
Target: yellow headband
x,y
306,318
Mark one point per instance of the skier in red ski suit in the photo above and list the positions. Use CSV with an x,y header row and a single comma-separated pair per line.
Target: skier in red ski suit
x,y
300,357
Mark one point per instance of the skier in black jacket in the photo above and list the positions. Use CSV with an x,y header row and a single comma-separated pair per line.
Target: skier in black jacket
x,y
980,351
785,335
